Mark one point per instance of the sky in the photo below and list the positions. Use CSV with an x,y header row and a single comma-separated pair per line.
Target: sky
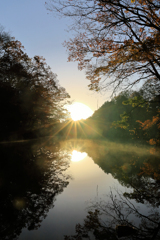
x,y
42,33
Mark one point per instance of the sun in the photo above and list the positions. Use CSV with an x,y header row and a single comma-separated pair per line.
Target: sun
x,y
79,111
78,156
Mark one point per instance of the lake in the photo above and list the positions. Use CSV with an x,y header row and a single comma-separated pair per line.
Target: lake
x,y
48,186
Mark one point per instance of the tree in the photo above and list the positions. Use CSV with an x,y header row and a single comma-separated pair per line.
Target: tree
x,y
142,115
117,41
31,98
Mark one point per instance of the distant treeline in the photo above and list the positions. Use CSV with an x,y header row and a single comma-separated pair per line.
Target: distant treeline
x,y
130,116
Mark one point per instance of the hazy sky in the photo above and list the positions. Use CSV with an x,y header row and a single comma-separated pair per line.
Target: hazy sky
x,y
41,33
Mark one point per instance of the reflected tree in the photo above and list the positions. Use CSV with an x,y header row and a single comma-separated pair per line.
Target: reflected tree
x,y
133,214
127,163
134,167
146,186
31,175
116,218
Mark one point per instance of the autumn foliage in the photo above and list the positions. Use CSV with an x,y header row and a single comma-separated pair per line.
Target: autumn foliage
x,y
116,41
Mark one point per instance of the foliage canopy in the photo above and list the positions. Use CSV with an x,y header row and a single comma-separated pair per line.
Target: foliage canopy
x,y
116,41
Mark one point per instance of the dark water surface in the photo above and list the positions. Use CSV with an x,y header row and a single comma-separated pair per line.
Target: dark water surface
x,y
46,187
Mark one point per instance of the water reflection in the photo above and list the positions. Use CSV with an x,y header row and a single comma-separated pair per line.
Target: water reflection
x,y
116,218
78,156
31,176
133,214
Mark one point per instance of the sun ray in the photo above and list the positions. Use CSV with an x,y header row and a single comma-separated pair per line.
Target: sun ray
x,y
93,129
78,123
60,129
75,129
69,129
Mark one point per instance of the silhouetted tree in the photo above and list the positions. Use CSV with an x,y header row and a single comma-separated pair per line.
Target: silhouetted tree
x,y
31,98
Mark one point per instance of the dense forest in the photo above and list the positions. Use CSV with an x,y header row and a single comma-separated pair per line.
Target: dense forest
x,y
31,99
132,116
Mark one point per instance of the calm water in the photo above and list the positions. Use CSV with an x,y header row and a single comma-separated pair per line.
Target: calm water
x,y
47,187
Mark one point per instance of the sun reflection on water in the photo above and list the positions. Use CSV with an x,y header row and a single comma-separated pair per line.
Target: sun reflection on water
x,y
78,156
